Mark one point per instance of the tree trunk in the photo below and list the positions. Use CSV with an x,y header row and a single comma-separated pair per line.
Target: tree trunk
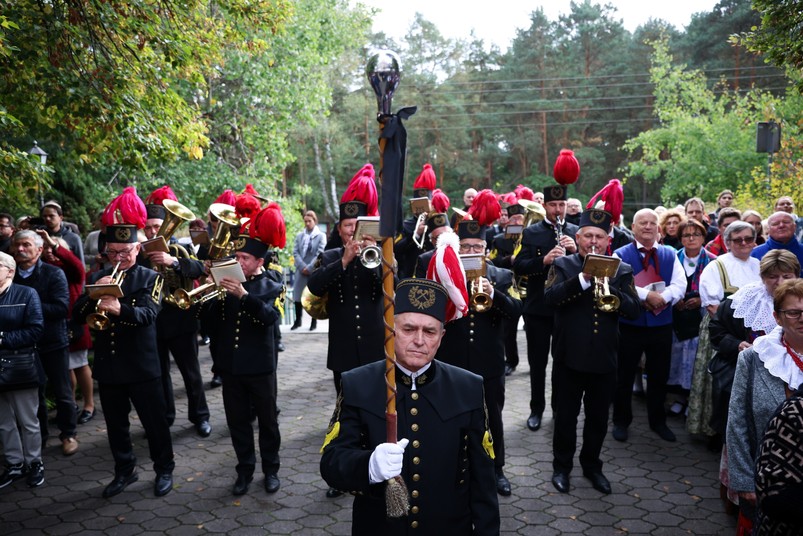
x,y
316,151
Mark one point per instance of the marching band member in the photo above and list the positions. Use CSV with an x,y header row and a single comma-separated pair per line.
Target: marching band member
x,y
406,249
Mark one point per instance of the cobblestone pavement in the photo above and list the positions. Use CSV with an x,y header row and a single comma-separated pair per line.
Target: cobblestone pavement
x,y
659,488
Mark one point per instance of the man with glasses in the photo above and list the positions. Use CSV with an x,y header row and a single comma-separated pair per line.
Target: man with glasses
x,y
6,231
476,342
127,362
781,236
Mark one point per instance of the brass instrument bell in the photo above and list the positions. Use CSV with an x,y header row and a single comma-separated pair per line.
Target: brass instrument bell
x,y
227,223
601,268
99,320
475,268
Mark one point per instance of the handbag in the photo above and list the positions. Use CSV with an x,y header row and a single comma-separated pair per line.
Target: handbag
x,y
18,367
722,371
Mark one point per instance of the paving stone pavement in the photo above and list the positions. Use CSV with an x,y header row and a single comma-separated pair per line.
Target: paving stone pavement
x,y
659,488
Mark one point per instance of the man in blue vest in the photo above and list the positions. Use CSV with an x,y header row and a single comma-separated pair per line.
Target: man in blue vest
x,y
660,283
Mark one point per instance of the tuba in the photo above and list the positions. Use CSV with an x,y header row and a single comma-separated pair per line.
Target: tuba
x,y
99,321
602,267
475,267
228,222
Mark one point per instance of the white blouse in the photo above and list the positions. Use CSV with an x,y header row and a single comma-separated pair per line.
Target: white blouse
x,y
739,272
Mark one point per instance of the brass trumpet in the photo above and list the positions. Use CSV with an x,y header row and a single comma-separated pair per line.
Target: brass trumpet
x,y
98,320
475,268
602,267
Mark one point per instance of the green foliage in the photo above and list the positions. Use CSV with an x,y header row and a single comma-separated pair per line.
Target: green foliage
x,y
706,138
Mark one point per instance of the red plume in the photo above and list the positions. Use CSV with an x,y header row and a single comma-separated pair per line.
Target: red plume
x,y
440,201
159,195
227,197
246,205
446,268
567,168
522,192
249,189
485,209
268,226
614,197
426,179
363,188
509,198
126,208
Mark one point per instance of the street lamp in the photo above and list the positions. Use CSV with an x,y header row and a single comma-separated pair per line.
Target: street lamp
x,y
37,151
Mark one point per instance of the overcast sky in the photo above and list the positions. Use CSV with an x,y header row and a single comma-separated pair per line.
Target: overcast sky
x,y
497,21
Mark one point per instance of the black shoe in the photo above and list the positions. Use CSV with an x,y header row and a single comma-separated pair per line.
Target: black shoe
x,y
313,325
217,381
272,483
534,422
598,481
502,483
280,346
204,341
332,493
619,433
664,432
36,474
119,483
163,484
13,473
561,482
241,485
203,428
509,370
296,325
86,416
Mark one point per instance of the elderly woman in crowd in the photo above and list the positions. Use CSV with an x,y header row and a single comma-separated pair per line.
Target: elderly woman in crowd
x,y
766,374
669,222
687,315
754,218
719,280
740,319
22,325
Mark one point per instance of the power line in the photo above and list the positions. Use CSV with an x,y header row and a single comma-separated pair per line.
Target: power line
x,y
412,128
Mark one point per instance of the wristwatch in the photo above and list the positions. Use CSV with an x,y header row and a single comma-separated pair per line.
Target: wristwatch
x,y
176,266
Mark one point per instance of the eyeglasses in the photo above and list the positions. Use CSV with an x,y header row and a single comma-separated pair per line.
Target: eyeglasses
x,y
743,240
476,248
791,314
695,235
112,253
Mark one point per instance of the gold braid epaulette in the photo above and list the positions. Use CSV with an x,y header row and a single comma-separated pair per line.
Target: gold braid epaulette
x,y
277,267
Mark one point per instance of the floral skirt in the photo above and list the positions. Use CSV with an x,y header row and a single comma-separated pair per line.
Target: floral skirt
x,y
700,399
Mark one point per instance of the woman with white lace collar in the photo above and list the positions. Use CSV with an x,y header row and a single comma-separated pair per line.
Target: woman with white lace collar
x,y
765,374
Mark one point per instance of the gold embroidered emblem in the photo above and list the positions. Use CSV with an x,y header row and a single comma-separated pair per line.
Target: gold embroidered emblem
x,y
122,234
473,227
557,192
596,216
439,220
239,244
421,298
351,210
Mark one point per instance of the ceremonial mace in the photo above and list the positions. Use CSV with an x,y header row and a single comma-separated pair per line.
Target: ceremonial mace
x,y
383,71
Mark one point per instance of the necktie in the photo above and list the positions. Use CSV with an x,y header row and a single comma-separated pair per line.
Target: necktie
x,y
649,253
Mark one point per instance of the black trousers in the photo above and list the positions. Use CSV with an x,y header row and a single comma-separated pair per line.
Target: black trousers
x,y
495,402
240,394
184,347
56,365
656,344
148,400
539,339
595,392
510,326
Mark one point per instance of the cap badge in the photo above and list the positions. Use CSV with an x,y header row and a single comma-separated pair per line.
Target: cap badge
x,y
421,298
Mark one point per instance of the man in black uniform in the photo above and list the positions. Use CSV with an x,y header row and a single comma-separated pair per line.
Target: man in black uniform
x,y
406,248
476,342
539,249
445,454
502,256
586,342
176,328
241,330
127,362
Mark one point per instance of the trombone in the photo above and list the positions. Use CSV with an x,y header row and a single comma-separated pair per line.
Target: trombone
x,y
98,320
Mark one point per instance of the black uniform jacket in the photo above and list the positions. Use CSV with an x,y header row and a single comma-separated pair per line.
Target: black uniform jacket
x,y
126,352
356,328
586,339
172,320
50,284
406,250
538,240
476,342
422,263
502,251
447,471
241,329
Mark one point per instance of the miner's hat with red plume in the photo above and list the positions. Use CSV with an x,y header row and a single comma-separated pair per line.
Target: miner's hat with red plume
x,y
425,182
613,195
262,232
440,201
523,192
123,216
360,197
486,208
227,198
247,205
154,205
567,168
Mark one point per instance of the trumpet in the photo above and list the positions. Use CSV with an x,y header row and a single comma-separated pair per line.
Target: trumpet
x,y
480,301
185,299
475,268
371,257
98,320
601,267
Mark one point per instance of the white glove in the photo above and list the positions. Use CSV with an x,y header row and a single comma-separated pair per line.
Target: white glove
x,y
386,461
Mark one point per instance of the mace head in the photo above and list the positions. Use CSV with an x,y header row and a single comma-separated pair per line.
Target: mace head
x,y
383,70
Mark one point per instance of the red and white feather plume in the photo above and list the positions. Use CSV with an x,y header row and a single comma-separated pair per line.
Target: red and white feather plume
x,y
446,268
